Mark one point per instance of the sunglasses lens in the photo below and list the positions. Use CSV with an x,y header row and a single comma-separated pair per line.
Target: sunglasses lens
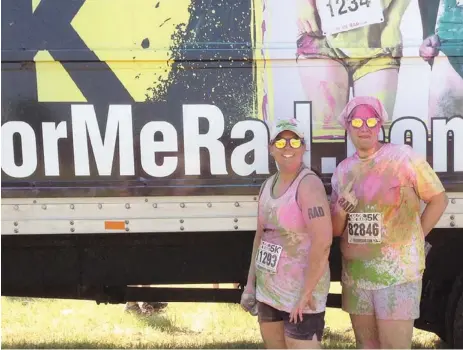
x,y
372,122
281,143
295,143
356,122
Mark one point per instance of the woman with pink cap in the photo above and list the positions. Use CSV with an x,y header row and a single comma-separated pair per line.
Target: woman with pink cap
x,y
289,276
375,208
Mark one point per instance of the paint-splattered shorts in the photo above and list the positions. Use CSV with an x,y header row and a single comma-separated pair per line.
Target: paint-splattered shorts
x,y
399,302
312,324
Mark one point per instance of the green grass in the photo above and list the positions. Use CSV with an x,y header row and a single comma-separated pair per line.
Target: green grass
x,y
50,323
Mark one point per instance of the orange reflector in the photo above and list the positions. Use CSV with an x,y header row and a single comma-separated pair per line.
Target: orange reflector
x,y
114,225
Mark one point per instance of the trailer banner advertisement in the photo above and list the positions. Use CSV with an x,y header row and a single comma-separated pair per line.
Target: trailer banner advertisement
x,y
174,98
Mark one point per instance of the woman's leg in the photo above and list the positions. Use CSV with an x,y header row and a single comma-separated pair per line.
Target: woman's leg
x,y
273,334
306,334
381,84
326,85
446,90
271,326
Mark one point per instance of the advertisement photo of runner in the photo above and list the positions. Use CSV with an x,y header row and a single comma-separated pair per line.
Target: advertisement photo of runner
x,y
343,45
442,48
407,55
289,275
375,206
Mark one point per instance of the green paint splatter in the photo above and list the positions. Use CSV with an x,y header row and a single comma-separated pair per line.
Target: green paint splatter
x,y
359,270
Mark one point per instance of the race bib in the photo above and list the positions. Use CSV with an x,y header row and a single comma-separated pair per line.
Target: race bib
x,y
343,15
364,228
267,256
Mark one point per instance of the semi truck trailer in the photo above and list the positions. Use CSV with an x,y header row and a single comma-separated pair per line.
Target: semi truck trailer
x,y
135,135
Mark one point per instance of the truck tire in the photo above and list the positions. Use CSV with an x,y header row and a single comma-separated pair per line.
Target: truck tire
x,y
454,315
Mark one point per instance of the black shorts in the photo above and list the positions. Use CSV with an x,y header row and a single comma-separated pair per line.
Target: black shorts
x,y
311,323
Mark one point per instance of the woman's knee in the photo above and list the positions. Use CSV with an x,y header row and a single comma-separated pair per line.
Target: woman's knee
x,y
273,334
366,331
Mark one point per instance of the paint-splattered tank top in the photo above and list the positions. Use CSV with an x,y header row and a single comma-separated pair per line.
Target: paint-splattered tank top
x,y
283,256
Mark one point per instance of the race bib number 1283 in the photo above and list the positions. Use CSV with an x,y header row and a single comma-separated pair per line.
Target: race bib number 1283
x,y
364,228
343,15
267,256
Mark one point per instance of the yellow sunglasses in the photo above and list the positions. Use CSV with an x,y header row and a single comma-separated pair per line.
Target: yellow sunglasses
x,y
282,142
358,122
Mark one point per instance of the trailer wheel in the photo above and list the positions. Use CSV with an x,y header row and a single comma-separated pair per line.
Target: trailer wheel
x,y
454,315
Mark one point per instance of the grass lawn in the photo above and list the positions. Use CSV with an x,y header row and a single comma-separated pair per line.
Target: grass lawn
x,y
50,323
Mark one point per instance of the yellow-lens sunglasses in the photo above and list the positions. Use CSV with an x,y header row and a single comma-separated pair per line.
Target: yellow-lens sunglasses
x,y
293,142
358,122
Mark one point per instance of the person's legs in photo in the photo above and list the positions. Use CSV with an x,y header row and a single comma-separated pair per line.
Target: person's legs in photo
x,y
379,78
446,89
326,83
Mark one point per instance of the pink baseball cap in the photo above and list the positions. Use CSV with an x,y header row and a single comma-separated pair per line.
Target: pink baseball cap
x,y
373,102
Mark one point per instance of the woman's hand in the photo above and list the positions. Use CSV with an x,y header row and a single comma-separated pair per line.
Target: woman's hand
x,y
306,16
306,299
248,300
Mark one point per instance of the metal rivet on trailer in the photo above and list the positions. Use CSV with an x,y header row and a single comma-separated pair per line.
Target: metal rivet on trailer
x,y
16,207
126,222
182,228
452,224
127,206
237,204
71,222
182,221
72,229
44,207
452,217
255,198
453,200
209,205
155,205
72,206
182,205
235,220
16,223
236,227
34,201
16,230
146,200
100,205
127,229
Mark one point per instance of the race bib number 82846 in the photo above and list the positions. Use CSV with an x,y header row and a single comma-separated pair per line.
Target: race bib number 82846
x,y
364,228
267,256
